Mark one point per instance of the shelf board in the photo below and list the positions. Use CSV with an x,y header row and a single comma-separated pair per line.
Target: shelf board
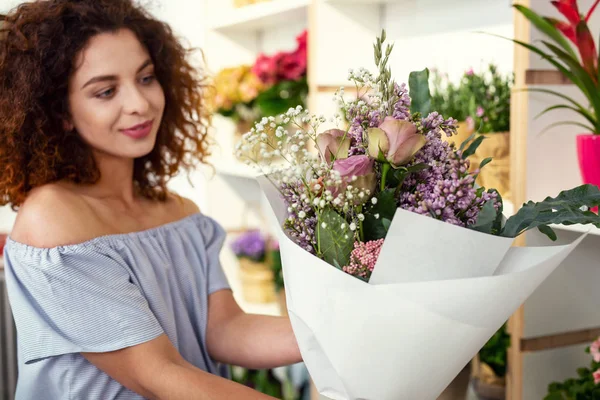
x,y
256,17
545,77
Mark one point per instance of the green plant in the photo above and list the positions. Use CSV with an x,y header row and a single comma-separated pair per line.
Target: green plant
x,y
585,387
482,98
264,381
494,352
277,269
582,69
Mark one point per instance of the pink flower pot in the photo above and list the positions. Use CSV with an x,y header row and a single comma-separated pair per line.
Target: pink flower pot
x,y
588,152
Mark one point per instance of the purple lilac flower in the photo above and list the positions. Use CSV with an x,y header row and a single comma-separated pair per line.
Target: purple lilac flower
x,y
402,106
446,189
361,119
250,244
301,221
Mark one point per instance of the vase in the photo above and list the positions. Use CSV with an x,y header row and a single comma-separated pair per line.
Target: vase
x,y
258,285
495,175
486,384
588,152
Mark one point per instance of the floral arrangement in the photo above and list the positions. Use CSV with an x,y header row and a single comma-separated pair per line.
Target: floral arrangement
x,y
270,86
581,69
481,99
586,386
342,197
252,245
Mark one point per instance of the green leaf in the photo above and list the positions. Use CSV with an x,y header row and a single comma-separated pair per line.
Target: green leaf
x,y
482,164
467,141
418,83
563,209
375,228
588,86
546,27
566,106
473,147
546,230
586,127
417,167
335,243
486,218
581,109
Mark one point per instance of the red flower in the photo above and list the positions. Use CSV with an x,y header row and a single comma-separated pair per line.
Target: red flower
x,y
292,66
577,31
569,9
266,69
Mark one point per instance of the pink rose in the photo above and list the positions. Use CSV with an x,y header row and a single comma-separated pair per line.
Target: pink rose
x,y
359,166
595,350
397,140
333,143
597,377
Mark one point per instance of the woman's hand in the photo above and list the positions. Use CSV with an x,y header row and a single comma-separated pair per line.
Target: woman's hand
x,y
248,340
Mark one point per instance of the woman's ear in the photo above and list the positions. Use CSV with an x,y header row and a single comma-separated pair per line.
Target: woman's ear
x,y
68,125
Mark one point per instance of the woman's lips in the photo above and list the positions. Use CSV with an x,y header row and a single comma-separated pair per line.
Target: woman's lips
x,y
139,131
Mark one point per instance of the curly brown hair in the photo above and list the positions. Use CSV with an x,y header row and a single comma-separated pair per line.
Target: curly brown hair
x,y
39,42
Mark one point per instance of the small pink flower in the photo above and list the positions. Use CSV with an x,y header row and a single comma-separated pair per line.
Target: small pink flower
x,y
470,123
469,72
333,143
595,350
363,258
597,376
480,111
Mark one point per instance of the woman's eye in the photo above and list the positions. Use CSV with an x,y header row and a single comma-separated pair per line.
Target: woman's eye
x,y
106,93
148,79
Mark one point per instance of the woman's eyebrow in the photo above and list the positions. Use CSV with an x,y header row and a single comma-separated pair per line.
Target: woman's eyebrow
x,y
103,78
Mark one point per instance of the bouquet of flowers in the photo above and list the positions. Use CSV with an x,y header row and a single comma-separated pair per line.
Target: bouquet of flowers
x,y
236,90
386,240
586,386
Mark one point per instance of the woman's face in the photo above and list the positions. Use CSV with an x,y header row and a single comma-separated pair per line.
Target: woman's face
x,y
116,103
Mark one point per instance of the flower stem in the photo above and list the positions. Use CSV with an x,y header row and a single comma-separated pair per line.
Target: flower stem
x,y
384,171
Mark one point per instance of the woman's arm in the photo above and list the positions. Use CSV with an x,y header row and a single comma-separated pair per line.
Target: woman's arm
x,y
248,340
156,370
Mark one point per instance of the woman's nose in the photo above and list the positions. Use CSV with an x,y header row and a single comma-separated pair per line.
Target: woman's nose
x,y
135,102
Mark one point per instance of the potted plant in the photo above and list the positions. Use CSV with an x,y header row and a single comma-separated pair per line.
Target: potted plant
x,y
489,367
579,64
256,272
585,386
483,100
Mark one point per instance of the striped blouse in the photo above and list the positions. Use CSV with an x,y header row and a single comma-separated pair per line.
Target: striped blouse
x,y
106,294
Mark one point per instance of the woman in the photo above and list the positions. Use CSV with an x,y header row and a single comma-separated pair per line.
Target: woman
x,y
114,282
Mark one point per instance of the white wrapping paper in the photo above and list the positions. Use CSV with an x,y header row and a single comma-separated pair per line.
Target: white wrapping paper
x,y
437,294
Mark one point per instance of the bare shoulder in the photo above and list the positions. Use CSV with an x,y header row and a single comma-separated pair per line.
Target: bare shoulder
x,y
53,215
185,206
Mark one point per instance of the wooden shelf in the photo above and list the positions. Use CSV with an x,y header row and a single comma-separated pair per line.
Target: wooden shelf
x,y
258,16
545,77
